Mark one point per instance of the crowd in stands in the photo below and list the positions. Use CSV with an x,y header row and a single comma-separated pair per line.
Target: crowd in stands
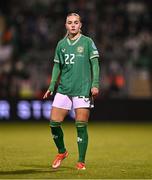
x,y
30,30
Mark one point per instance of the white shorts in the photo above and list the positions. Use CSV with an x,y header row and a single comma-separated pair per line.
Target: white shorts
x,y
66,102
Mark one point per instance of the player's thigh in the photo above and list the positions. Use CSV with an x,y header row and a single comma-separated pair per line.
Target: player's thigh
x,y
60,107
82,114
58,114
62,101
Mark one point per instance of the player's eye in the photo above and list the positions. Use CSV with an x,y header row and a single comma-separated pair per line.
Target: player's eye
x,y
69,22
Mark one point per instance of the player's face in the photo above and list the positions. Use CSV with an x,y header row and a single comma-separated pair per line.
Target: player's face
x,y
73,25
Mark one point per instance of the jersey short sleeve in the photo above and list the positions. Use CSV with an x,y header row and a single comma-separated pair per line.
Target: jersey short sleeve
x,y
57,55
93,52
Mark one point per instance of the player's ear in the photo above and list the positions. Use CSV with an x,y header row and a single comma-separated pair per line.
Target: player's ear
x,y
80,25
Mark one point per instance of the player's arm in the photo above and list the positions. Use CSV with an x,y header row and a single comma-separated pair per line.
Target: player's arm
x,y
95,78
55,75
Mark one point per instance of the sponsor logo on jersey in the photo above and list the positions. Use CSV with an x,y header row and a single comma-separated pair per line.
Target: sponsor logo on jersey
x,y
80,49
63,50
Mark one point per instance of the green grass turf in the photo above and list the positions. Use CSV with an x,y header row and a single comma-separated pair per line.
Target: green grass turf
x,y
115,151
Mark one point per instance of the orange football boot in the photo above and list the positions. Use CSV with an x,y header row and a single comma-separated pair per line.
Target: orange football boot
x,y
59,158
80,166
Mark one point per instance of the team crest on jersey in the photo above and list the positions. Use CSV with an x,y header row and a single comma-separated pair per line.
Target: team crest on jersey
x,y
80,49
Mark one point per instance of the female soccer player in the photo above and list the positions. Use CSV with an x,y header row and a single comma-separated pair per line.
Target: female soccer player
x,y
76,62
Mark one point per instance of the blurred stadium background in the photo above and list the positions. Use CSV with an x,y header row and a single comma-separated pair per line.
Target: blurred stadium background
x,y
122,30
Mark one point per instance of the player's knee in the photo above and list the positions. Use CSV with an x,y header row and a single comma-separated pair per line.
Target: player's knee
x,y
82,114
56,117
58,114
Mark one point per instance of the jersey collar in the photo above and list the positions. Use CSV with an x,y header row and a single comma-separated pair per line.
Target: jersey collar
x,y
70,43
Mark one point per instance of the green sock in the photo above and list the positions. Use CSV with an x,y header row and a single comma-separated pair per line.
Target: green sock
x,y
82,140
57,136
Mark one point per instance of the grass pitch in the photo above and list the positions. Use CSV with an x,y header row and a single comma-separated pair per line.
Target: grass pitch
x,y
115,151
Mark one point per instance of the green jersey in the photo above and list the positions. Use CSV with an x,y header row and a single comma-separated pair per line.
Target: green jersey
x,y
74,59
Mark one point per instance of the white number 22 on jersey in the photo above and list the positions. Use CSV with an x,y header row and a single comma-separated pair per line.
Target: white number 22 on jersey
x,y
69,58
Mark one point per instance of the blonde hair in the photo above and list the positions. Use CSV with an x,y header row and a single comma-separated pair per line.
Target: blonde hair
x,y
73,14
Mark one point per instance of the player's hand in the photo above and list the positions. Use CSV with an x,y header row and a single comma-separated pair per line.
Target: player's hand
x,y
94,91
47,94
